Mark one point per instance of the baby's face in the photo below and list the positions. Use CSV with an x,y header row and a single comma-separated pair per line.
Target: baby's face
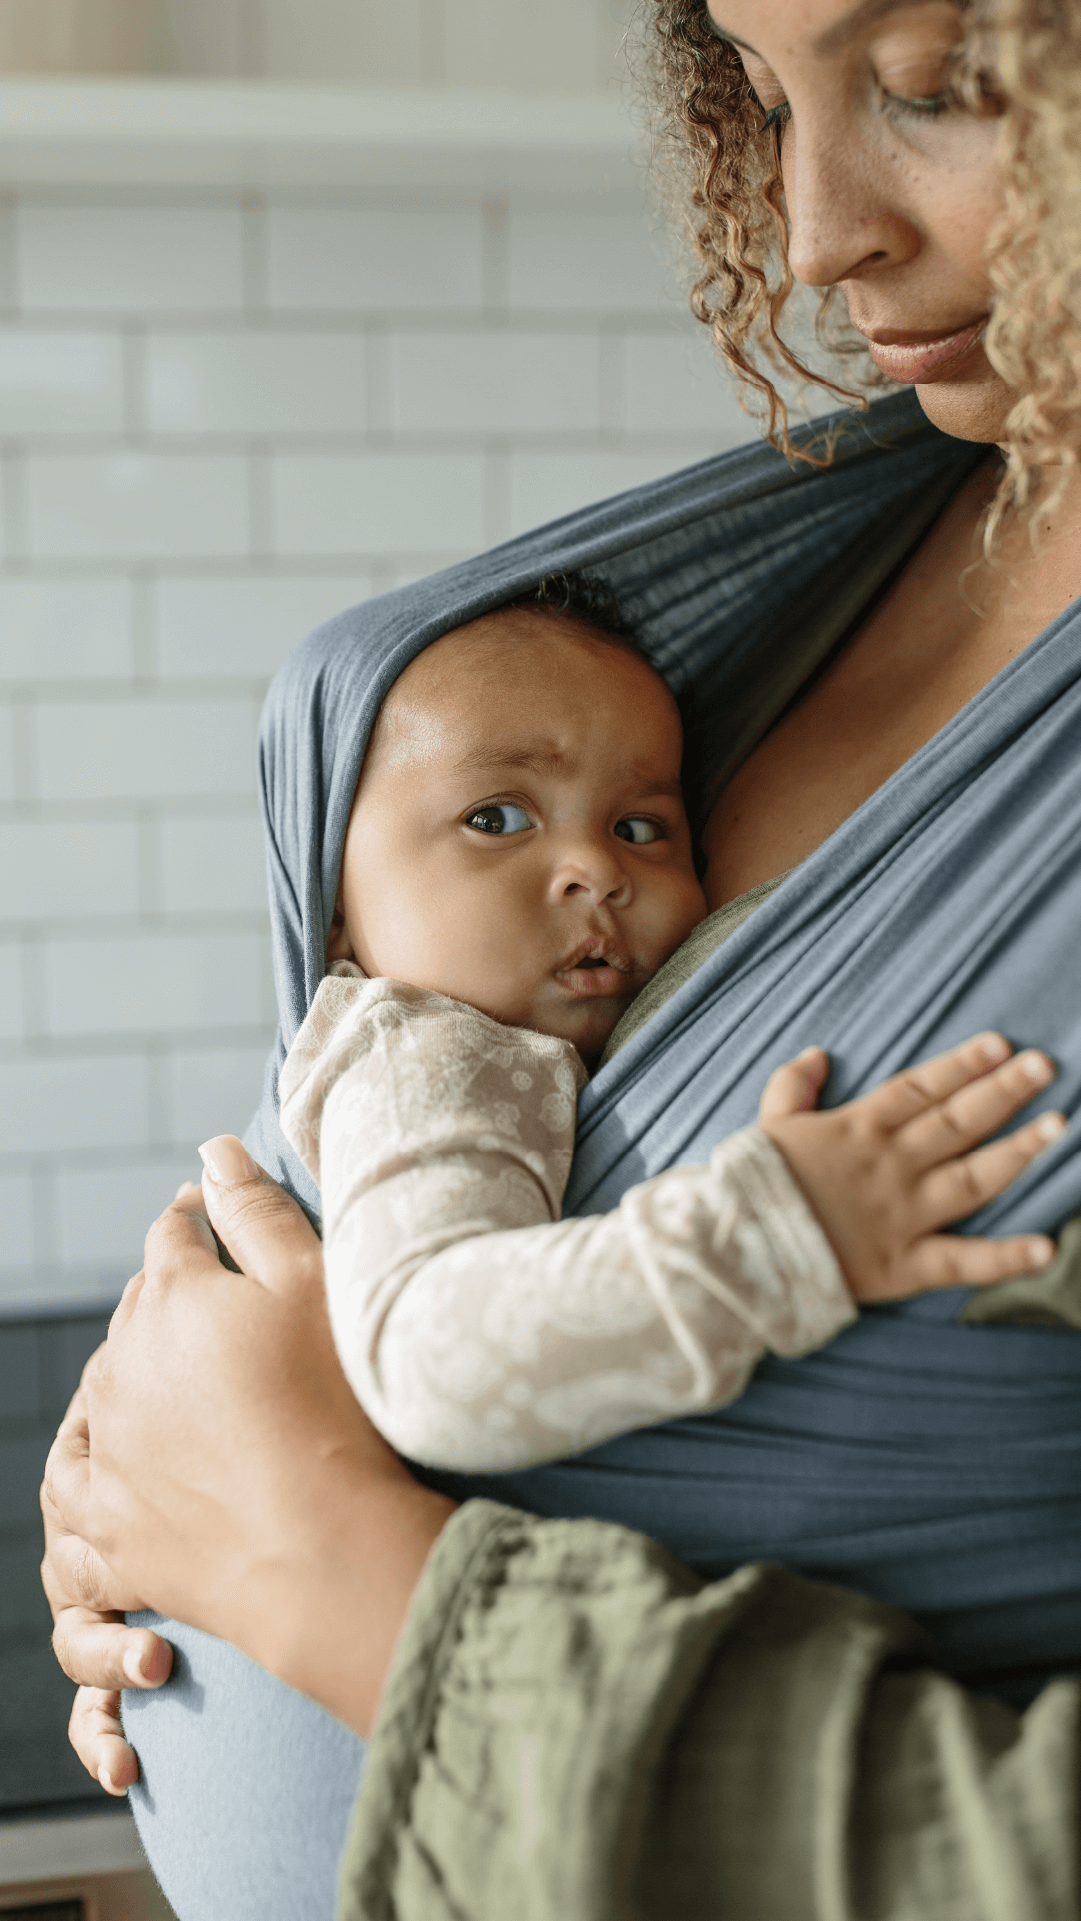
x,y
518,839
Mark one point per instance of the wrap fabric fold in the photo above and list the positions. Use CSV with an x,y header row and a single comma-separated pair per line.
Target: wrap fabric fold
x,y
926,1463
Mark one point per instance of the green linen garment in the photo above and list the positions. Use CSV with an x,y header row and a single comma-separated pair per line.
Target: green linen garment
x,y
577,1728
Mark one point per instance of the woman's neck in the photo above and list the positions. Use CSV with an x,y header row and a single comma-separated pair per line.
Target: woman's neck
x,y
948,625
1035,570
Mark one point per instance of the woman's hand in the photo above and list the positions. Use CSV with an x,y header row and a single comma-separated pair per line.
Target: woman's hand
x,y
216,1467
885,1173
90,1640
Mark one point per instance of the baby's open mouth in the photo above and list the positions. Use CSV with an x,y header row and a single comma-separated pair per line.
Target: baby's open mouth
x,y
590,973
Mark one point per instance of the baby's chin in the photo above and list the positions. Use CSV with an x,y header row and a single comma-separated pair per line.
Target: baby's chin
x,y
590,1027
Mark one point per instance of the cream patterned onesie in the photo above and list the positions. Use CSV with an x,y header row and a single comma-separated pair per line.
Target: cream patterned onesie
x,y
478,1329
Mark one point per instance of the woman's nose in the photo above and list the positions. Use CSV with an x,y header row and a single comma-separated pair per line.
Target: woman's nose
x,y
846,215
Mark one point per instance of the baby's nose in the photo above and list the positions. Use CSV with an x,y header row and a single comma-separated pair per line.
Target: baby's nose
x,y
593,870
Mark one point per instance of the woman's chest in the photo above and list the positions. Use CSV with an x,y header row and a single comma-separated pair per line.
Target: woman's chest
x,y
939,635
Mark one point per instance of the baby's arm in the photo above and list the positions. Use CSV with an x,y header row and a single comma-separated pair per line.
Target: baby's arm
x,y
477,1329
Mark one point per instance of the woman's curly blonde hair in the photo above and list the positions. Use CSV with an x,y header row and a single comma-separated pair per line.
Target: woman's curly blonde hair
x,y
722,169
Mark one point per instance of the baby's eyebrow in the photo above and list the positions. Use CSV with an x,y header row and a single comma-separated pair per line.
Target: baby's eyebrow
x,y
549,759
537,759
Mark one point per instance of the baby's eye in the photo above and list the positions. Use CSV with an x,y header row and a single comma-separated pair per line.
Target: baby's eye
x,y
637,830
500,818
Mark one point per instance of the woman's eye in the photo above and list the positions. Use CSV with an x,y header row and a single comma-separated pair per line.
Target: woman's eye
x,y
637,830
926,106
777,116
500,818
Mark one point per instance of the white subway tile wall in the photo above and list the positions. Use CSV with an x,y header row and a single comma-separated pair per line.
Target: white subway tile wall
x,y
222,420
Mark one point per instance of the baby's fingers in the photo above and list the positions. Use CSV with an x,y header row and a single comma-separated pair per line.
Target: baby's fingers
x,y
958,1188
912,1092
795,1087
952,1260
973,1113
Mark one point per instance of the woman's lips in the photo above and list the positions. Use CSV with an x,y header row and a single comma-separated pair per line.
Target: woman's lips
x,y
914,363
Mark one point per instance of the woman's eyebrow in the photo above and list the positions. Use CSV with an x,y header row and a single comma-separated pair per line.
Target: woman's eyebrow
x,y
834,39
837,37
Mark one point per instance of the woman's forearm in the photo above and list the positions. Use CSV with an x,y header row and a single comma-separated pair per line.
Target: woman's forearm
x,y
327,1618
236,1484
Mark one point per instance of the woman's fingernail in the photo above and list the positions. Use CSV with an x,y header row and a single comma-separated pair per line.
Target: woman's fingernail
x,y
1041,1251
106,1780
226,1160
133,1668
1051,1126
994,1048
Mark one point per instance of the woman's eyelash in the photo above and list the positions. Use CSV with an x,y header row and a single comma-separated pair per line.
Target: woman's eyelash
x,y
771,116
926,106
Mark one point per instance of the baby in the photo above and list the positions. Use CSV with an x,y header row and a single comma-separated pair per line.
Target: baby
x,y
517,866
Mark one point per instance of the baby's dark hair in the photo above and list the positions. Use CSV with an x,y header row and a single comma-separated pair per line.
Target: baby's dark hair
x,y
583,598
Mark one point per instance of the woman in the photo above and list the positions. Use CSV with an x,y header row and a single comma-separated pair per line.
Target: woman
x,y
926,813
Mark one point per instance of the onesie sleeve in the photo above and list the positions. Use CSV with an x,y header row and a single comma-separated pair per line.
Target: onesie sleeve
x,y
480,1331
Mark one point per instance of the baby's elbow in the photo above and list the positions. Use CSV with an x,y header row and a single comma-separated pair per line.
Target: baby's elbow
x,y
438,1435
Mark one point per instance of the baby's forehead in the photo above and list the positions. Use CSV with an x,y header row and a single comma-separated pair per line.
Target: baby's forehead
x,y
516,645
516,673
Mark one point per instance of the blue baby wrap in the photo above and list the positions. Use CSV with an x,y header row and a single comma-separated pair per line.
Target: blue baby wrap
x,y
926,1462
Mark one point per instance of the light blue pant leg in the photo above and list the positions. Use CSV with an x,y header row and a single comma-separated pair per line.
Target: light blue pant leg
x,y
246,1787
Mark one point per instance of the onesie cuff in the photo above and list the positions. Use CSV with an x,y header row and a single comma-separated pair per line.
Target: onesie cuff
x,y
782,1240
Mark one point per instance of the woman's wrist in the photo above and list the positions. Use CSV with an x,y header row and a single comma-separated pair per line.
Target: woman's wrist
x,y
327,1616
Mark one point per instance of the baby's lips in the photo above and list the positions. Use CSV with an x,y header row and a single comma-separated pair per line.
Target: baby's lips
x,y
596,947
594,983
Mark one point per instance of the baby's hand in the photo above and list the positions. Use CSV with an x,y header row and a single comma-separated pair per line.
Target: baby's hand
x,y
886,1172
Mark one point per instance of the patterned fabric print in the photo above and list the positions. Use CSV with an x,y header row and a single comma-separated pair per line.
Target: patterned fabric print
x,y
479,1330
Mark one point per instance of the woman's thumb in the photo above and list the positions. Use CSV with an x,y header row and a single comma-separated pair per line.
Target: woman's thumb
x,y
268,1235
795,1087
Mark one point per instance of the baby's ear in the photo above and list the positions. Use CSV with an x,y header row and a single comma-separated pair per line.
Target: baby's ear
x,y
339,944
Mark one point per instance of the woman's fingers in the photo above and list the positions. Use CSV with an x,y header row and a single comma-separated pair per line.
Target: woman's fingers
x,y
958,1123
958,1188
268,1235
99,1651
912,1092
96,1734
795,1087
953,1260
180,1241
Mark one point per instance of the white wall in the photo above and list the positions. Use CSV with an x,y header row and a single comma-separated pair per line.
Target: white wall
x,y
220,421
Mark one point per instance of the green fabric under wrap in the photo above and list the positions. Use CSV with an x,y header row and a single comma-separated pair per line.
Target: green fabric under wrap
x,y
578,1729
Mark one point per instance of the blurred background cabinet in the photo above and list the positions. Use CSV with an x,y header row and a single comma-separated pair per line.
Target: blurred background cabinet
x,y
568,45
77,36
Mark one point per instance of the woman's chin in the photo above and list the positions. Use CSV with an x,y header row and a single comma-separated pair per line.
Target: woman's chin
x,y
974,405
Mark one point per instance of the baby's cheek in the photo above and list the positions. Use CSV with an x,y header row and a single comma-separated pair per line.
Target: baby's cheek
x,y
680,909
